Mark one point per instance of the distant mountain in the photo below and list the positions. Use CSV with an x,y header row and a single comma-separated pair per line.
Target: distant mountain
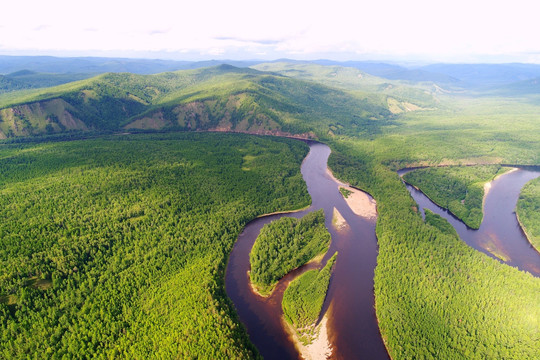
x,y
448,75
395,72
26,79
97,65
371,67
93,65
486,75
478,76
419,75
520,88
217,98
355,80
8,84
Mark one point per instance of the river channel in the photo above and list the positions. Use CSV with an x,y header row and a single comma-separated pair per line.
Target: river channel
x,y
500,235
353,331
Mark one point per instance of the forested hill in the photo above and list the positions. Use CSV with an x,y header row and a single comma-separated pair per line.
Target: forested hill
x,y
216,98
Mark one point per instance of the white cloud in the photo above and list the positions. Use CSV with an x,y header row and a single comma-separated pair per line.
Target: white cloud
x,y
282,27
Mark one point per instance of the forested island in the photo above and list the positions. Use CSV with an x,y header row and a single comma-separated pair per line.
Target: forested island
x,y
285,245
303,300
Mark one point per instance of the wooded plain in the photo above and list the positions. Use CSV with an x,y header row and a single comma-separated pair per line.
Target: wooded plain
x,y
115,244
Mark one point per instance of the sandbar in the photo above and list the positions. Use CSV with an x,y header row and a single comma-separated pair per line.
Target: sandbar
x,y
319,348
339,221
361,203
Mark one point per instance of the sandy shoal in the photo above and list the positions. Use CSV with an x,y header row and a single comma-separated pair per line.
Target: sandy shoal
x,y
361,203
320,348
338,220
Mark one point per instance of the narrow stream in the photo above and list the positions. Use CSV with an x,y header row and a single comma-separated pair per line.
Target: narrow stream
x,y
352,324
500,235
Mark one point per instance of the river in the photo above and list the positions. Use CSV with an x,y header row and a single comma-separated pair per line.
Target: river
x,y
500,235
352,324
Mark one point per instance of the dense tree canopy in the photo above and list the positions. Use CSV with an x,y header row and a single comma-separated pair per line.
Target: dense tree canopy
x,y
437,298
528,210
116,247
284,245
304,297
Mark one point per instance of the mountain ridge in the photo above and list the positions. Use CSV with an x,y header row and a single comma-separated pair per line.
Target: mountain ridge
x,y
216,98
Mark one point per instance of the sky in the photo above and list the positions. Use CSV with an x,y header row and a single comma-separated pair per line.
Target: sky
x,y
400,30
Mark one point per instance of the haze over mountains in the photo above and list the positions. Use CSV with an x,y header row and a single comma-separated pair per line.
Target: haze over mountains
x,y
462,75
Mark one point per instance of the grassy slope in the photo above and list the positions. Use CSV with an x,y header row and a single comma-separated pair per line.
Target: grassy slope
x,y
284,245
528,210
467,131
304,298
458,189
130,236
456,128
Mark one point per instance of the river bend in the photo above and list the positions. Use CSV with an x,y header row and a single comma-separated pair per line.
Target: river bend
x,y
350,304
500,235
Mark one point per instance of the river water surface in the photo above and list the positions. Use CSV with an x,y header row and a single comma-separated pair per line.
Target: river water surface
x,y
500,235
352,324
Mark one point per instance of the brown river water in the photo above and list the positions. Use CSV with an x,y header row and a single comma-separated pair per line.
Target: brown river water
x,y
500,236
352,324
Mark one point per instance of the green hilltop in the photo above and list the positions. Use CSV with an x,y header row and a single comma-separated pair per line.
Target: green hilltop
x,y
398,96
217,98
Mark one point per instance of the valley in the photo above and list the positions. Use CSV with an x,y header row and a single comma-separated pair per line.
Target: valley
x,y
131,203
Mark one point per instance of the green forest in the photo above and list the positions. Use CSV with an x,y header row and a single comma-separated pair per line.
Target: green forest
x,y
303,300
284,245
440,223
217,98
435,297
528,211
117,229
459,189
116,247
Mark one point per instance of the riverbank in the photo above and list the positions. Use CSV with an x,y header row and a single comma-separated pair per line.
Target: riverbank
x,y
501,235
360,202
351,286
282,212
527,236
285,280
319,348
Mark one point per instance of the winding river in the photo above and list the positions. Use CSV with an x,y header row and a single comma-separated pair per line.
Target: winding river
x,y
353,331
350,300
500,235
